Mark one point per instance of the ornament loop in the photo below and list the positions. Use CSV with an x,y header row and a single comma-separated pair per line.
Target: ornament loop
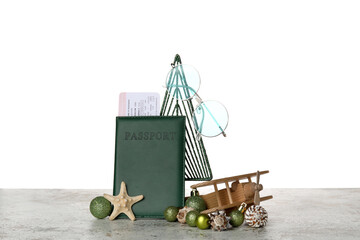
x,y
242,207
194,192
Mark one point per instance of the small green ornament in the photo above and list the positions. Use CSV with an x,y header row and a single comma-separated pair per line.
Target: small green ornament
x,y
237,216
191,218
203,221
196,202
100,207
170,213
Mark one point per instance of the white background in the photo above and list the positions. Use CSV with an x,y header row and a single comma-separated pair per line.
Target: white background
x,y
288,72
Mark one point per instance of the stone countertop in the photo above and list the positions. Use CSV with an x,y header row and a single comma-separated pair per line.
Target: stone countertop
x,y
64,214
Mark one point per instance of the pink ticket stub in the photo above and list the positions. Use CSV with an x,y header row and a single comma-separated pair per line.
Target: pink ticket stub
x,y
139,104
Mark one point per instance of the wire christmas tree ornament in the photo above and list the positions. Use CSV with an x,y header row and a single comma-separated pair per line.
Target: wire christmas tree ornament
x,y
208,118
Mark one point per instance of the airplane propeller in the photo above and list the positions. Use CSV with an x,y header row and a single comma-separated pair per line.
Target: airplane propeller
x,y
258,188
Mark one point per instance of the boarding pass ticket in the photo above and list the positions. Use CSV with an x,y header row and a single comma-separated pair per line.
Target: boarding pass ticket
x,y
139,104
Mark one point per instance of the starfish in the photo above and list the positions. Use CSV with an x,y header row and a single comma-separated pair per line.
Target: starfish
x,y
123,203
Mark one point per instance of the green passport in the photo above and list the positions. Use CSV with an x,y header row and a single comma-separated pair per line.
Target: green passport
x,y
149,158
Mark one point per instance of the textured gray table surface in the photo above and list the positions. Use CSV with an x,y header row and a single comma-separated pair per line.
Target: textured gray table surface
x,y
64,214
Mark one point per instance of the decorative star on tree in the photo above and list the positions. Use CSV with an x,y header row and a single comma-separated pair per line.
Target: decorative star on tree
x,y
123,203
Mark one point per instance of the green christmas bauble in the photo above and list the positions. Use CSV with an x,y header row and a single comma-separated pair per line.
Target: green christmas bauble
x,y
236,218
100,207
203,221
170,213
191,218
196,202
112,209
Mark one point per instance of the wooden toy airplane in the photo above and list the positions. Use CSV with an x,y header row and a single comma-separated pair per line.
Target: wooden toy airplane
x,y
232,197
